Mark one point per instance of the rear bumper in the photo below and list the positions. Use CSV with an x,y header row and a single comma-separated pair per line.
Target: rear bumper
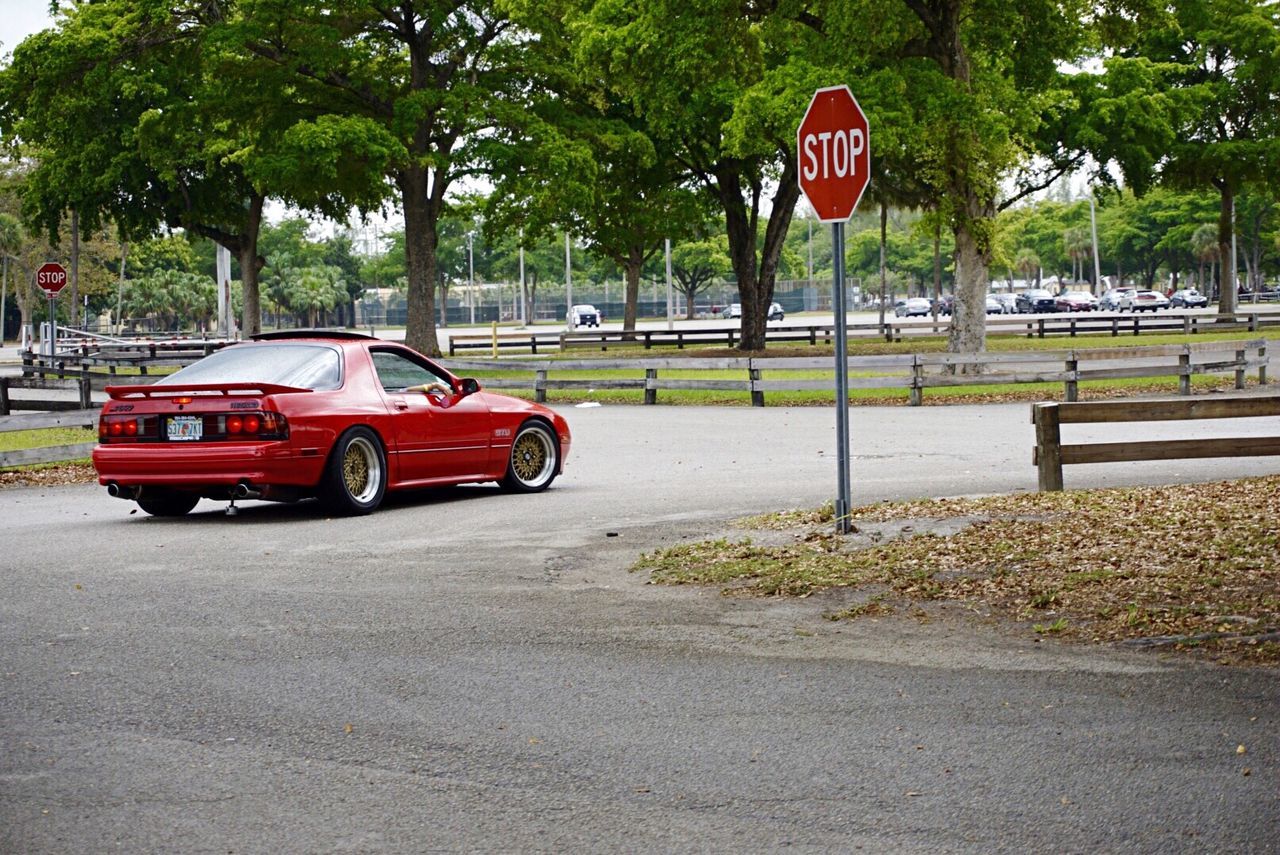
x,y
206,465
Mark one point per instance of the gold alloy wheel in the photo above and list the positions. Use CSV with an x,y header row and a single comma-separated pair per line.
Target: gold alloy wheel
x,y
532,457
361,470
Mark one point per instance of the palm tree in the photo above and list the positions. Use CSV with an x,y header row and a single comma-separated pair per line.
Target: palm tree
x,y
315,288
1028,264
1077,244
1204,246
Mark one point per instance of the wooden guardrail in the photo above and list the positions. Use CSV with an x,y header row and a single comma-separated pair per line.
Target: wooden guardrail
x,y
8,403
894,329
1051,455
911,372
51,454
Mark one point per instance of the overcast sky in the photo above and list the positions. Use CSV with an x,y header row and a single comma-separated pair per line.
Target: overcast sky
x,y
21,18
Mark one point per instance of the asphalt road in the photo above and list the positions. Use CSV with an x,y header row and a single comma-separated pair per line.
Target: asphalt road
x,y
468,670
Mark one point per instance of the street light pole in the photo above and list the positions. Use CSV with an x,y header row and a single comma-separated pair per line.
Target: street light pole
x,y
471,276
568,285
671,317
1097,265
524,302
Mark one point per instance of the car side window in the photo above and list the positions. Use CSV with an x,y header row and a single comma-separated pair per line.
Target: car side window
x,y
396,373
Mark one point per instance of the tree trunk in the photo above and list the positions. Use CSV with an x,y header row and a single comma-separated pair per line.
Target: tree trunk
x,y
973,261
1228,299
251,265
420,243
73,310
631,267
755,274
444,303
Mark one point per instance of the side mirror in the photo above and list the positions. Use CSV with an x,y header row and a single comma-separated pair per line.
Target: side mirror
x,y
468,386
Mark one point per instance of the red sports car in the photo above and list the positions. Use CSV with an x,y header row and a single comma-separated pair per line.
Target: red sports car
x,y
340,416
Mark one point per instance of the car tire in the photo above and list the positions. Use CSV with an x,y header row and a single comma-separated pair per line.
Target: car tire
x,y
355,478
534,460
161,502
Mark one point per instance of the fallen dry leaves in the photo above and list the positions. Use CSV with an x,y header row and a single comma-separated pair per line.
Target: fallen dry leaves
x,y
1193,566
49,475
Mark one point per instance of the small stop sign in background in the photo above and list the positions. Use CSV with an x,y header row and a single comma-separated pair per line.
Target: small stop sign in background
x,y
834,153
51,278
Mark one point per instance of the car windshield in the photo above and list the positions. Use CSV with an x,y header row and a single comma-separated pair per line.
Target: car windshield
x,y
306,366
1037,295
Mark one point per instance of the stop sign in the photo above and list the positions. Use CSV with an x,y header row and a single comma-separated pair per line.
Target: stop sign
x,y
834,153
51,278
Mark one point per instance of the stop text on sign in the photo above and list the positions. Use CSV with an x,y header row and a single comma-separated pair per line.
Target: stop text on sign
x,y
832,155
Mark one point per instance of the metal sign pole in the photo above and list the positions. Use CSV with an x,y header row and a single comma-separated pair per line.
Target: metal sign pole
x,y
843,499
53,330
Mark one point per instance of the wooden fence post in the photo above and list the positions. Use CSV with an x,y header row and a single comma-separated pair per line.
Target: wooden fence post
x,y
1262,369
4,396
540,385
650,393
916,391
1048,454
1071,386
1240,369
1184,371
753,374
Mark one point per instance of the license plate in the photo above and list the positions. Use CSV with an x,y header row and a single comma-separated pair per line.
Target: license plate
x,y
185,428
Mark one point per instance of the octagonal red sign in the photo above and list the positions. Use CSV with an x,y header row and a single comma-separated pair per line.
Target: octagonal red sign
x,y
51,278
834,153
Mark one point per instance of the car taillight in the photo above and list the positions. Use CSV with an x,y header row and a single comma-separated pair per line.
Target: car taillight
x,y
264,425
126,428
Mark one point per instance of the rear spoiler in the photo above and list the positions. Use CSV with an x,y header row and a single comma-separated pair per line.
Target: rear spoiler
x,y
120,393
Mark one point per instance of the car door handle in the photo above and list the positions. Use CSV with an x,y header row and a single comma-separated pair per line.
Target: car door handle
x,y
402,405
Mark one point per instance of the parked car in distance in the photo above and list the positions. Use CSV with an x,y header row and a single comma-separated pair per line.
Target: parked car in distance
x,y
775,312
1008,303
946,304
1075,301
1149,301
584,316
1188,298
993,306
733,310
338,416
1035,300
1118,300
912,306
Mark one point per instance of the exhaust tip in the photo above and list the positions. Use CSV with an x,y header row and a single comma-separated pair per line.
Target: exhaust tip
x,y
245,490
119,492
